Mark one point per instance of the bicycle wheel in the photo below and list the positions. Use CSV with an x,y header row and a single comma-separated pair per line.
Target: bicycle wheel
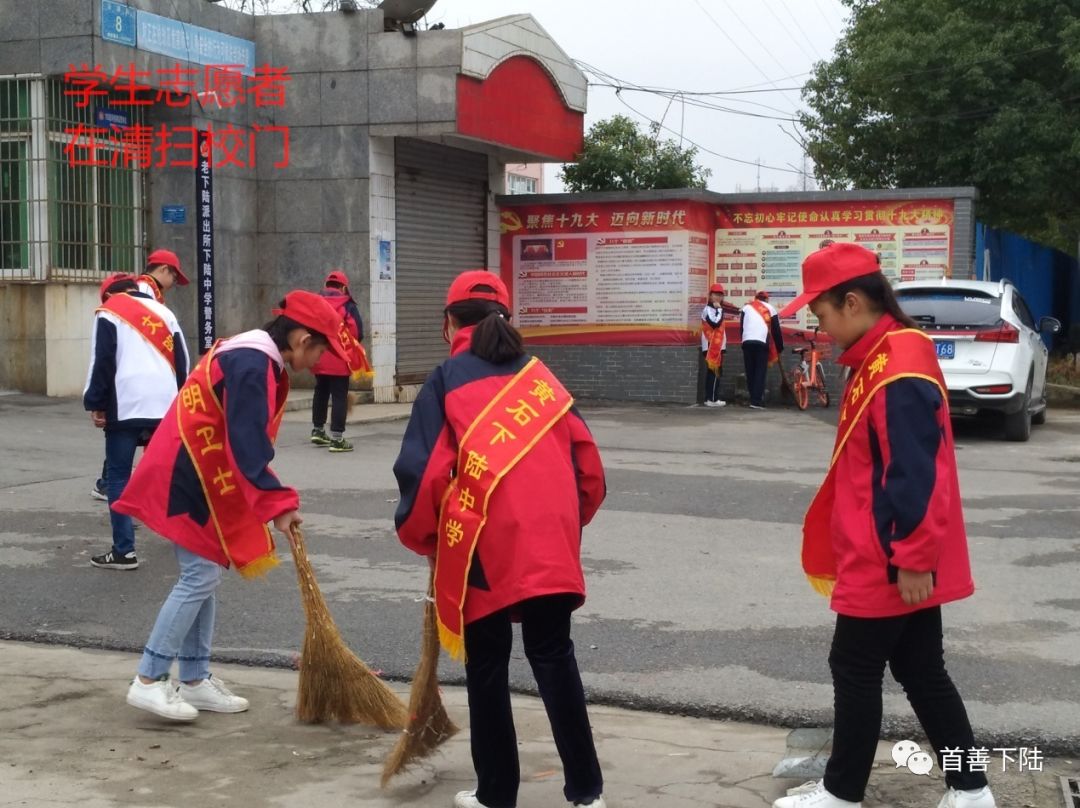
x,y
820,387
798,387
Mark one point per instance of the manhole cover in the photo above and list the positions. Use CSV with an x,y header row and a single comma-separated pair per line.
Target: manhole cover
x,y
1070,788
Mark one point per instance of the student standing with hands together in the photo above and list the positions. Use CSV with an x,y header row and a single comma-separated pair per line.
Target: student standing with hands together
x,y
884,537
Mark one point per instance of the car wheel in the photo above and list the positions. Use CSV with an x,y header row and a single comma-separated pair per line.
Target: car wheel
x,y
1018,424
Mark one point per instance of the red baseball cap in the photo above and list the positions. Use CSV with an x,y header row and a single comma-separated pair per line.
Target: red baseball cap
x,y
464,288
312,310
111,280
169,259
717,288
337,276
830,266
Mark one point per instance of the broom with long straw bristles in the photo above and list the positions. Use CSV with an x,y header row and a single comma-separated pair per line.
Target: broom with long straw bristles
x,y
334,683
429,725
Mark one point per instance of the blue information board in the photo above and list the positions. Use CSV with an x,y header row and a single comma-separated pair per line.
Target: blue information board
x,y
193,43
117,22
174,214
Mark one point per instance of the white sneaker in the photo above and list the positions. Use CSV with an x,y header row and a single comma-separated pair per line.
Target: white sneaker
x,y
467,799
211,694
160,698
813,795
719,403
710,403
599,801
981,798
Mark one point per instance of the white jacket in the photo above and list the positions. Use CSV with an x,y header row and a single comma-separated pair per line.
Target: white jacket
x,y
128,378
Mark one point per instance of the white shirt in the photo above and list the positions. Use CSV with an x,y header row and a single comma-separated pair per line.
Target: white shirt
x,y
754,328
712,313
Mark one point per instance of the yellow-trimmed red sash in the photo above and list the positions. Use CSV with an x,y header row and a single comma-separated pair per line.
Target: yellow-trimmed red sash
x,y
147,323
152,282
714,356
503,433
245,540
766,315
897,355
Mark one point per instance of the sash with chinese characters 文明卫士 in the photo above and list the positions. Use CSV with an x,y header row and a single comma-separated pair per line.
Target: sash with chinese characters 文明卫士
x,y
508,427
245,540
897,355
147,323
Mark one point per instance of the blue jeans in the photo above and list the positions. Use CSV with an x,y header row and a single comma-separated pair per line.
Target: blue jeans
x,y
185,625
120,445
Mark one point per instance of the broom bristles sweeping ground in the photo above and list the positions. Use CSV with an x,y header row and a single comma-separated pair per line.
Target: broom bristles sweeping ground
x,y
335,685
429,726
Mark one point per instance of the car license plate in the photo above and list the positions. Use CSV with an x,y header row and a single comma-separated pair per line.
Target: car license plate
x,y
946,349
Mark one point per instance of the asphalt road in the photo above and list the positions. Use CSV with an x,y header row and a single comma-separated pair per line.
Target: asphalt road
x,y
696,601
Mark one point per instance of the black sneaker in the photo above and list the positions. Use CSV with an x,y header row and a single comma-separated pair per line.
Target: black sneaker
x,y
319,437
99,492
340,445
111,561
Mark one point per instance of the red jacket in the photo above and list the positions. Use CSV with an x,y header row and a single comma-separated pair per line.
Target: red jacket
x,y
330,364
897,497
531,544
165,492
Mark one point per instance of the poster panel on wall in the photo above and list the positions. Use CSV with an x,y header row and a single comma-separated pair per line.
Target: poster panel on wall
x,y
762,246
607,273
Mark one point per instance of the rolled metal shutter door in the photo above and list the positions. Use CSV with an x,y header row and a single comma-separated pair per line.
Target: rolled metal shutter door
x,y
441,210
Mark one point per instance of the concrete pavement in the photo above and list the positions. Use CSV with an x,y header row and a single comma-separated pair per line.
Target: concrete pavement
x,y
67,738
696,604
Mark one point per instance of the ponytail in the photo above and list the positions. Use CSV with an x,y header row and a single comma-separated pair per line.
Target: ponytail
x,y
877,289
493,339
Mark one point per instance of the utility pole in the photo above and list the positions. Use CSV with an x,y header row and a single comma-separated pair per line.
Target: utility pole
x,y
758,188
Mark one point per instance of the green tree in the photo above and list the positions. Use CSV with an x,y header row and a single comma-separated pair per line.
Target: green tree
x,y
618,156
939,92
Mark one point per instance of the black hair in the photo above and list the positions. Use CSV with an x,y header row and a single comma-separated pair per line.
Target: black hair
x,y
335,285
120,286
877,289
281,326
494,338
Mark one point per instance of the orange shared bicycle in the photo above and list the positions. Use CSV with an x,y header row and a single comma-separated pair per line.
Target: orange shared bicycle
x,y
808,377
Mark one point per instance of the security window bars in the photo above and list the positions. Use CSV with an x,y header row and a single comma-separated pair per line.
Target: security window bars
x,y
62,218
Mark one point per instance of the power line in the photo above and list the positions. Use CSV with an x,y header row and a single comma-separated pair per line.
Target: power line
x,y
787,31
801,29
694,102
824,16
697,145
750,31
738,47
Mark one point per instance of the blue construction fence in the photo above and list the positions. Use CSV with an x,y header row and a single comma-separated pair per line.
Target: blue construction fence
x,y
1048,279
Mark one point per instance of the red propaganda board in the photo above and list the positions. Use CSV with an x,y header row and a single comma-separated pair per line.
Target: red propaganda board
x,y
762,246
615,273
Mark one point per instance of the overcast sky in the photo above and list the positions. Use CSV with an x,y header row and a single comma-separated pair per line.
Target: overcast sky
x,y
694,46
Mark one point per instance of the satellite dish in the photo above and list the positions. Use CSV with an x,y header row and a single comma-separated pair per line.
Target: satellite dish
x,y
404,12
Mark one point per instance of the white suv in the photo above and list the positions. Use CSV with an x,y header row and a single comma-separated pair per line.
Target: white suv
x,y
990,347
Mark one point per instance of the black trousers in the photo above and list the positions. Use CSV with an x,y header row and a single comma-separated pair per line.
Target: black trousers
x,y
710,380
335,390
545,631
756,362
912,646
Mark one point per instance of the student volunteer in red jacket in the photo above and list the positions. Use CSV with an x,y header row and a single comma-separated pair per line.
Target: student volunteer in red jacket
x,y
332,374
205,483
498,474
885,534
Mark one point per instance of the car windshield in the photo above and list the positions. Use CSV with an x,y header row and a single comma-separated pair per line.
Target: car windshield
x,y
951,308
